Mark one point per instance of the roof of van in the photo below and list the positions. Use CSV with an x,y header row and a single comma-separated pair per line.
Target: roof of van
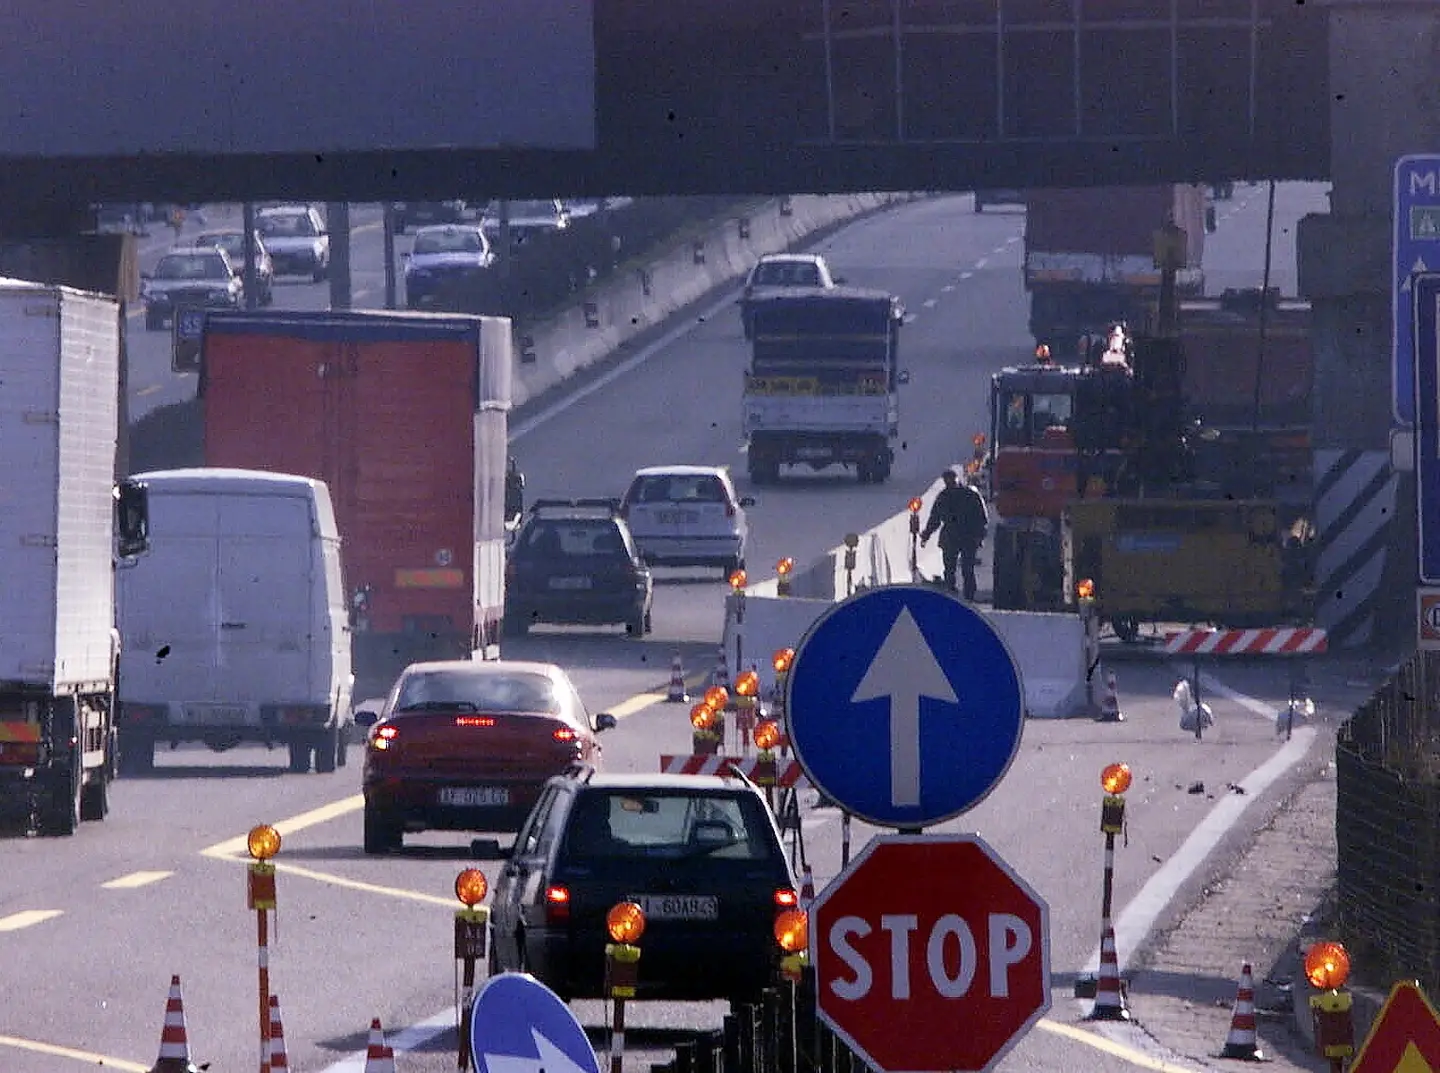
x,y
208,478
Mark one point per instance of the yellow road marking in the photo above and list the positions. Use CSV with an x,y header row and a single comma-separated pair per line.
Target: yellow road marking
x,y
88,1057
236,847
637,703
136,879
1100,1043
28,917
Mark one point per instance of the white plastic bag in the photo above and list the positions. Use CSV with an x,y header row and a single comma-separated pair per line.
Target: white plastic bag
x,y
1189,711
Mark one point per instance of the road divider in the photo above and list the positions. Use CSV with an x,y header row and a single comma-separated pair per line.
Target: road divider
x,y
630,303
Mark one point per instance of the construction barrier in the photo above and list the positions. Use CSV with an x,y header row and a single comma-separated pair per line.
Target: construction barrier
x,y
758,626
1277,641
787,770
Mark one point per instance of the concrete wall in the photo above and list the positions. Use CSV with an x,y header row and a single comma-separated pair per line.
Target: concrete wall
x,y
627,306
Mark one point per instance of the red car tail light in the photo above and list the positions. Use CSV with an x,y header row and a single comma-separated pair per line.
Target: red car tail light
x,y
474,720
786,898
564,734
557,904
385,736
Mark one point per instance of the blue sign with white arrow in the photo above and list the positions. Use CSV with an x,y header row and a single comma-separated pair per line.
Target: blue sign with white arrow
x,y
518,1025
905,707
1417,249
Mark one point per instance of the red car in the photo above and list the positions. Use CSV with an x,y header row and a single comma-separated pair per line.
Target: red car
x,y
468,746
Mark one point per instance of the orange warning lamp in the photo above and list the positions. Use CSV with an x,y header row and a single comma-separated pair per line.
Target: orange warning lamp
x,y
1115,779
717,697
1085,589
702,717
471,887
748,684
792,930
915,504
785,566
782,660
1327,966
767,735
625,922
1042,354
737,580
263,842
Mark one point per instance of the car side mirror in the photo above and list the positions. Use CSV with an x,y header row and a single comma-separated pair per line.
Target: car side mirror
x,y
132,519
605,721
366,717
903,377
838,280
747,501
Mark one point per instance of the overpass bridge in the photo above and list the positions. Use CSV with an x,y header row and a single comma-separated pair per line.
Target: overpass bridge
x,y
540,97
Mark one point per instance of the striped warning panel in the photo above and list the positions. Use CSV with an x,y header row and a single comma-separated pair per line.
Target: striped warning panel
x,y
1355,500
786,771
1281,641
697,765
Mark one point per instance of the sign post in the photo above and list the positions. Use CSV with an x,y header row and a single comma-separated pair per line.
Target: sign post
x,y
189,325
1416,249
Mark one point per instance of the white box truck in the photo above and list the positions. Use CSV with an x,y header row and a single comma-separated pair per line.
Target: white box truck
x,y
63,520
235,626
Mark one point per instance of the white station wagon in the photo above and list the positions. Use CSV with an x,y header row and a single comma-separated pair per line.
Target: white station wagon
x,y
687,516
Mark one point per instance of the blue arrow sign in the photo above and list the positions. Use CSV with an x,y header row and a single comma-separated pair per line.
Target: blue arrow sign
x,y
1417,249
189,323
1426,329
904,706
518,1025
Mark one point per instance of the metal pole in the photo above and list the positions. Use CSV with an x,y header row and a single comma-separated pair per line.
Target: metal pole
x,y
1107,889
845,840
388,239
1264,306
1199,709
617,1037
263,930
337,224
247,243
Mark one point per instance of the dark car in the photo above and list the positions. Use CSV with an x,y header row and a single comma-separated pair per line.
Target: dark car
x,y
467,746
202,278
700,854
445,259
573,563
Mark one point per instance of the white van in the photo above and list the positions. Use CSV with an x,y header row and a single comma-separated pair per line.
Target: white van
x,y
234,626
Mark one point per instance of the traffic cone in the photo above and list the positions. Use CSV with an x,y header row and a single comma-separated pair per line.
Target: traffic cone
x,y
279,1059
1109,997
1110,705
676,694
174,1043
379,1057
807,888
1241,1042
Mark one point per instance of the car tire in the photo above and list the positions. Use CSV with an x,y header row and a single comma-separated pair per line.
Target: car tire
x,y
154,321
382,835
635,627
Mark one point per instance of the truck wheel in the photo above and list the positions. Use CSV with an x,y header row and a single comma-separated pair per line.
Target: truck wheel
x,y
299,757
381,834
327,750
61,813
137,753
95,796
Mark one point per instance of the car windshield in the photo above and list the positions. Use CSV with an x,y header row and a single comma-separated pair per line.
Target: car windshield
x,y
678,488
597,539
286,225
229,241
787,274
457,241
671,824
191,266
485,692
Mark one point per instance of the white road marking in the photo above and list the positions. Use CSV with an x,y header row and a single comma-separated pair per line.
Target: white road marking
x,y
982,262
929,303
947,288
136,879
966,275
28,918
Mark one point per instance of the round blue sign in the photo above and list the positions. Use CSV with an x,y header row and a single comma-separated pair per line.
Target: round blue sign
x,y
905,706
518,1025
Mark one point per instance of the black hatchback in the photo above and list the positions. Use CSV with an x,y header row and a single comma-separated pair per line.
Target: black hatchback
x,y
573,562
700,854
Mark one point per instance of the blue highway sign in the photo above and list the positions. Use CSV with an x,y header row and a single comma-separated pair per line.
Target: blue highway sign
x,y
904,705
1426,328
189,323
518,1025
1417,249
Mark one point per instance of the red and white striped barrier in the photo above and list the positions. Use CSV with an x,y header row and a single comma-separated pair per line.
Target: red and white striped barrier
x,y
1278,641
786,771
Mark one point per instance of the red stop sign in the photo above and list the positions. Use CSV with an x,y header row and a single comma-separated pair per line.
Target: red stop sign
x,y
930,953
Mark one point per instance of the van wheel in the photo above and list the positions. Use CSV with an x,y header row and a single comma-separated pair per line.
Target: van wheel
x,y
95,796
327,750
381,835
299,757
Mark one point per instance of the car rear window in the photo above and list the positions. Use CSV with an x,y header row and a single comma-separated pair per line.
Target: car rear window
x,y
676,488
787,274
489,692
573,540
616,825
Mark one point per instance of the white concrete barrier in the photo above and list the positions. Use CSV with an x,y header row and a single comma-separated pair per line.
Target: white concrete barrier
x,y
768,624
629,304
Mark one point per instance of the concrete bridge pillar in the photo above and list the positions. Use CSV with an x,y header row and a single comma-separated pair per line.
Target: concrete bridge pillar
x,y
1385,103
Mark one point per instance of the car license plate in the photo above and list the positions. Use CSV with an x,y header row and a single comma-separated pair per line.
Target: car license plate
x,y
213,714
570,583
474,796
676,517
813,452
678,906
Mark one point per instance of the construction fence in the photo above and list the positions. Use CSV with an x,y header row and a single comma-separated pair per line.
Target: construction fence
x,y
1387,827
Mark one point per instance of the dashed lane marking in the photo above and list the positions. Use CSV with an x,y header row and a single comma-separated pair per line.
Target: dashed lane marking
x,y
27,918
982,262
136,879
104,1061
929,303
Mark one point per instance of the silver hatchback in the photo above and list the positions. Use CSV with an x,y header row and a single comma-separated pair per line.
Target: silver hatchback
x,y
687,516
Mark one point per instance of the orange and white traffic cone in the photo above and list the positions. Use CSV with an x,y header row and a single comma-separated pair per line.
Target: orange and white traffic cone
x,y
279,1058
174,1043
379,1057
1241,1042
676,693
807,888
1110,706
1109,993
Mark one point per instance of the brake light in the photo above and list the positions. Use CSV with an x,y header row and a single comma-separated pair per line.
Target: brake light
x,y
786,898
564,734
729,509
557,904
384,736
474,721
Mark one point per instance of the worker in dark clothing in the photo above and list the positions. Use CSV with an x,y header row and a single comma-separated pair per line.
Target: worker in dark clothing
x,y
959,514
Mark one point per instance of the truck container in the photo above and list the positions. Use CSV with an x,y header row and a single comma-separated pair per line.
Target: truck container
x,y
1090,256
59,648
404,417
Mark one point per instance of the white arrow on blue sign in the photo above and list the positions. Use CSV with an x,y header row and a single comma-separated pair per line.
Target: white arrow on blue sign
x,y
1416,249
518,1025
905,706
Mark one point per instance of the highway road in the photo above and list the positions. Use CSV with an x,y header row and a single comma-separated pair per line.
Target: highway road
x,y
94,926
